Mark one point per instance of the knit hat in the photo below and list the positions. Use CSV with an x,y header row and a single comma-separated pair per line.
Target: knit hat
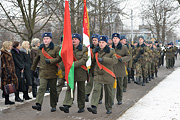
x,y
103,38
35,41
78,36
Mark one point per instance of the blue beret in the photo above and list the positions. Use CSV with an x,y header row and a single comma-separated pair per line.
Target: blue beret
x,y
47,34
78,36
171,43
141,37
103,38
94,36
156,41
116,35
123,37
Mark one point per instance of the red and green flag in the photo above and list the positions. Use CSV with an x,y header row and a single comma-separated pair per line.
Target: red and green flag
x,y
66,51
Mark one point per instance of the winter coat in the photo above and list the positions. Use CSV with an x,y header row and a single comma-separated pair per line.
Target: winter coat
x,y
18,61
27,65
34,52
11,67
47,71
122,51
81,54
140,54
92,47
109,58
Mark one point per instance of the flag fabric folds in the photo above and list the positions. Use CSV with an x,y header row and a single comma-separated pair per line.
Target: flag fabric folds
x,y
66,51
86,34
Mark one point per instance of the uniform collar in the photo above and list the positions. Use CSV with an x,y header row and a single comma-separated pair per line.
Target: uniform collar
x,y
51,46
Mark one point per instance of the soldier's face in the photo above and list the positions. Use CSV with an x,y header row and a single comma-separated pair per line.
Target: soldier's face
x,y
102,44
141,40
116,40
47,40
123,41
110,41
95,41
75,41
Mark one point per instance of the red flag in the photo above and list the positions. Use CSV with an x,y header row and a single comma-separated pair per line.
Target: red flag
x,y
66,51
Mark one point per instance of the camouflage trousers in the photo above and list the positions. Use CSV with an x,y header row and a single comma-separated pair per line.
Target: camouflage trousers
x,y
149,68
142,69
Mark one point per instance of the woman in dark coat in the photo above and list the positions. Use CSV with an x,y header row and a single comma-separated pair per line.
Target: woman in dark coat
x,y
25,51
19,67
7,69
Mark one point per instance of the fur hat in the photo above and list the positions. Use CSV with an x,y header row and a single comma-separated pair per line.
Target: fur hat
x,y
78,36
47,34
35,41
123,37
141,37
156,41
116,35
94,36
103,38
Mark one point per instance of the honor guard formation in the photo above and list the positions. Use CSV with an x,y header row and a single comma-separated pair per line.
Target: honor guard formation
x,y
115,62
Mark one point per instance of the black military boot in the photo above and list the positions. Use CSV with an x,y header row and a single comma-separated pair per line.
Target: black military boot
x,y
152,75
149,77
37,107
81,110
156,74
65,108
87,97
147,80
92,109
129,81
143,83
139,81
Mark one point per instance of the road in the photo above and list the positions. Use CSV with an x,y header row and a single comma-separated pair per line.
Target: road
x,y
133,94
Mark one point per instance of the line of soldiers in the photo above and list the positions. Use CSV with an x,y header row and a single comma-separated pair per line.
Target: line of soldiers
x,y
171,52
112,65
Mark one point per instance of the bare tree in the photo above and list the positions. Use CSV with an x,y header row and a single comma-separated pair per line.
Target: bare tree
x,y
161,17
23,15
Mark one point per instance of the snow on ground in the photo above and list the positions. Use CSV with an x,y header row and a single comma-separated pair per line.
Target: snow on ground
x,y
161,103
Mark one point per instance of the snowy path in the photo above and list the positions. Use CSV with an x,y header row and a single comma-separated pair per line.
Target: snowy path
x,y
162,103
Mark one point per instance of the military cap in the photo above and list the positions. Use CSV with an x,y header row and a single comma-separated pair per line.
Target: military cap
x,y
78,36
141,37
156,41
150,42
47,34
123,37
94,36
116,35
103,38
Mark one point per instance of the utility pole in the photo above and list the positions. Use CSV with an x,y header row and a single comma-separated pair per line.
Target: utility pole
x,y
132,26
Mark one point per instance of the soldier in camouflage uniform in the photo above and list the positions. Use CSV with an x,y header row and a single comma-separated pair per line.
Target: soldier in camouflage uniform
x,y
159,51
157,57
140,58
